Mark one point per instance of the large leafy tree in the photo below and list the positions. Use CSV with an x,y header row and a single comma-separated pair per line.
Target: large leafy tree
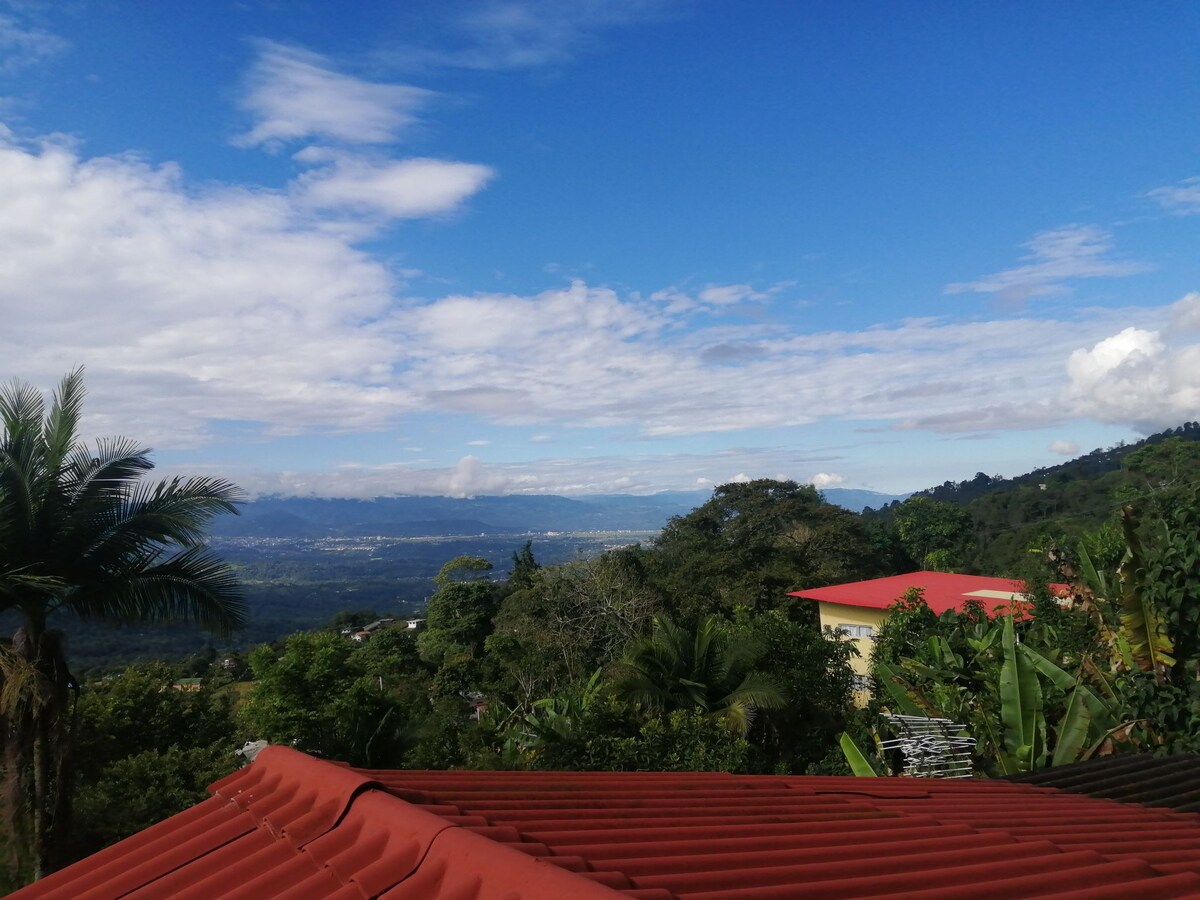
x,y
323,694
81,534
933,532
751,544
568,620
709,667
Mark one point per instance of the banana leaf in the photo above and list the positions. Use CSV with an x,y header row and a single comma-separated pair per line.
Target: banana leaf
x,y
1074,729
859,764
895,686
1097,707
1149,643
1021,712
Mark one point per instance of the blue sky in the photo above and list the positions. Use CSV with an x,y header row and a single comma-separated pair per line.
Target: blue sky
x,y
430,247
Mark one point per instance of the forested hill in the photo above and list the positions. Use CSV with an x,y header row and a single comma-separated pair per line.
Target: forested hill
x,y
1091,465
989,525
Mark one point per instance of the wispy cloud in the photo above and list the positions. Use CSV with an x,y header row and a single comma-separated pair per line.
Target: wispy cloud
x,y
1182,198
518,34
715,297
294,94
23,45
1055,258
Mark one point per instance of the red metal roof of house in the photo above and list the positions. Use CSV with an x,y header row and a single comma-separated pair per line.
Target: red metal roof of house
x,y
943,591
291,826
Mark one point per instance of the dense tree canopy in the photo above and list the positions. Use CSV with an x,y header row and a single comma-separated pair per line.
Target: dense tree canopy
x,y
751,544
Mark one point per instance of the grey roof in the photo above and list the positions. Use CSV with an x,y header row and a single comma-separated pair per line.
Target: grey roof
x,y
1172,782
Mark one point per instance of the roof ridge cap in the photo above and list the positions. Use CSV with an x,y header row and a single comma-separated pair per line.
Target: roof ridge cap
x,y
294,795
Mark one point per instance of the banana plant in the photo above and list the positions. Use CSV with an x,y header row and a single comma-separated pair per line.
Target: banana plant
x,y
1141,640
1022,711
1150,644
998,686
1089,715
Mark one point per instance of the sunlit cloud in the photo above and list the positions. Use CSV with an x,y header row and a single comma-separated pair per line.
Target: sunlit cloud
x,y
826,479
1136,377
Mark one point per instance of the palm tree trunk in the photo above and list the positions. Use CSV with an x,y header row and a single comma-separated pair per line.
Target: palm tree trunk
x,y
64,785
15,797
41,789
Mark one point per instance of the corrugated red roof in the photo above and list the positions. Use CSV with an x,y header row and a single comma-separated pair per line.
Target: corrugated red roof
x,y
943,591
291,826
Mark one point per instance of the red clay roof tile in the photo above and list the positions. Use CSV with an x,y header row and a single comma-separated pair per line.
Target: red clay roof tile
x,y
291,826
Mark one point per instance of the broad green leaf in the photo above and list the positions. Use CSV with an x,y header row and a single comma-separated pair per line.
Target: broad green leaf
x,y
896,688
1073,730
1099,710
1149,643
1021,711
1058,676
1095,581
859,764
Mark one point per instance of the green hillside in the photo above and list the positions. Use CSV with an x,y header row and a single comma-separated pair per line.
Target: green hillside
x,y
1008,517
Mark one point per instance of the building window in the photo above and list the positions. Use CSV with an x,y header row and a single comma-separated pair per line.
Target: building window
x,y
856,631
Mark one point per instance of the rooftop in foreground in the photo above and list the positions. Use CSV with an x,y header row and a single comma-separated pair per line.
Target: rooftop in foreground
x,y
292,826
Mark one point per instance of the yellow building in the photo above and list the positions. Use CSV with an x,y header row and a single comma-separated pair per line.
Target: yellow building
x,y
859,607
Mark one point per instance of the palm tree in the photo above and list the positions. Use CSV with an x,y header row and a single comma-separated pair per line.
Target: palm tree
x,y
709,667
81,534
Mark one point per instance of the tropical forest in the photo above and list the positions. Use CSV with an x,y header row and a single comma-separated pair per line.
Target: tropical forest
x,y
680,652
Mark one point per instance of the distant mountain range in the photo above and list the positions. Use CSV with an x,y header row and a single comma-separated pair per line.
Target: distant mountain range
x,y
304,517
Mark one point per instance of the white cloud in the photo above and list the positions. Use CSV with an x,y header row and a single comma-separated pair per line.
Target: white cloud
x,y
187,306
293,94
478,443
824,480
1185,313
23,45
740,478
1135,377
1064,448
1182,198
191,308
714,297
401,189
1054,258
727,294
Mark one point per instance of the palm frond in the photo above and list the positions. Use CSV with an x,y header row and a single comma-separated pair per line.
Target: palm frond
x,y
113,467
192,586
169,513
21,410
59,434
